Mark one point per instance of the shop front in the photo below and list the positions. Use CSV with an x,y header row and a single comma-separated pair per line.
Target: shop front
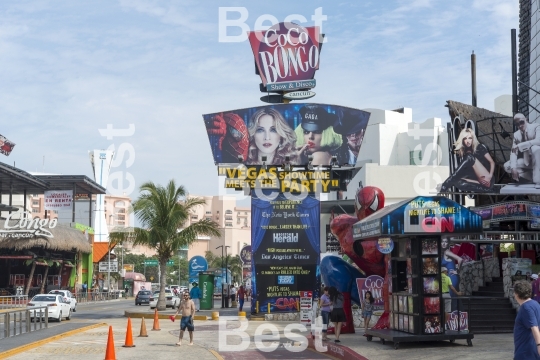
x,y
415,232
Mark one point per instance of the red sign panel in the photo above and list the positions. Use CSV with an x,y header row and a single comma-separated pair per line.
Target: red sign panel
x,y
306,294
286,52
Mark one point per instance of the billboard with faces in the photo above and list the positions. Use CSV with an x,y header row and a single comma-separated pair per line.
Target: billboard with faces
x,y
269,135
485,149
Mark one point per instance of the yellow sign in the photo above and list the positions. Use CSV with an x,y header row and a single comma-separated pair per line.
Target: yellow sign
x,y
129,267
257,177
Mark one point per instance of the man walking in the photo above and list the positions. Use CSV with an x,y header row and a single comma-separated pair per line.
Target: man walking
x,y
446,287
526,333
241,294
195,295
188,309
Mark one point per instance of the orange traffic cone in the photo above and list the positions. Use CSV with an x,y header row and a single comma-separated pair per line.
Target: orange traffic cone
x,y
156,322
129,335
110,354
143,329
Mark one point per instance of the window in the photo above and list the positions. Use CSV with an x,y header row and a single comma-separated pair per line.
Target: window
x,y
208,213
238,221
208,218
228,218
121,217
415,157
245,213
228,212
55,211
194,217
228,224
35,203
35,210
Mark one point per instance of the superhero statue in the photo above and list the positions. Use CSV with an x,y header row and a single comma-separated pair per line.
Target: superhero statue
x,y
339,273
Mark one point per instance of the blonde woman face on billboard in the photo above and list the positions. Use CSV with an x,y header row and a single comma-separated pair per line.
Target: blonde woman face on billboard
x,y
266,137
468,140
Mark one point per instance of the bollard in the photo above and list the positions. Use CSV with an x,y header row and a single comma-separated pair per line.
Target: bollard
x,y
257,307
241,315
215,315
268,307
297,305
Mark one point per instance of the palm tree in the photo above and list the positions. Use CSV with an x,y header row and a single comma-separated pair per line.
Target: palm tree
x,y
163,212
234,263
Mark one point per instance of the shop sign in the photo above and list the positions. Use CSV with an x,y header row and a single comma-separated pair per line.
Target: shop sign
x,y
245,255
129,267
291,85
58,199
299,95
108,266
385,245
306,306
286,52
27,227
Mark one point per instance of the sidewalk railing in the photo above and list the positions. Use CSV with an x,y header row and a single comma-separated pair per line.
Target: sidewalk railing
x,y
18,322
96,297
13,301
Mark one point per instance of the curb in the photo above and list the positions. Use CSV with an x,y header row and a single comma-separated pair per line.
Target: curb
x,y
336,351
35,344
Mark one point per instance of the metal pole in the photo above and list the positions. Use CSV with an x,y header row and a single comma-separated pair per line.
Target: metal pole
x,y
514,72
222,292
473,78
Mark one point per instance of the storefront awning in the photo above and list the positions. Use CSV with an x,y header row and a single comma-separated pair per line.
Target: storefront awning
x,y
58,237
421,215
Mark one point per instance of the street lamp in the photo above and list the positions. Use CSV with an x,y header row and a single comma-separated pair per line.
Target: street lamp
x,y
223,302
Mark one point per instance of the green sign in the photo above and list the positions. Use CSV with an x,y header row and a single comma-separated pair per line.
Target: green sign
x,y
155,262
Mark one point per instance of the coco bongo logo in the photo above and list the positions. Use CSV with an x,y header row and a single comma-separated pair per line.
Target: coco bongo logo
x,y
286,52
27,227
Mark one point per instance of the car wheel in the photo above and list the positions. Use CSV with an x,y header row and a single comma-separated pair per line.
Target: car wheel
x,y
75,308
69,315
60,317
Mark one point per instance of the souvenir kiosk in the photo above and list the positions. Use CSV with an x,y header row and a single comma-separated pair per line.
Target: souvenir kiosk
x,y
411,231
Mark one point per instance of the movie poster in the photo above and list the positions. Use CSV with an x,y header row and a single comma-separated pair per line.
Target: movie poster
x,y
432,305
432,325
294,131
285,243
430,266
431,285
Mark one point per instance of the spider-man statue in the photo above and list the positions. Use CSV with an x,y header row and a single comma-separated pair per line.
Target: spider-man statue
x,y
233,136
337,272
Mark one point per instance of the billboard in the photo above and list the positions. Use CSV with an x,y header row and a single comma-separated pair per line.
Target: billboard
x,y
6,146
298,132
286,250
286,52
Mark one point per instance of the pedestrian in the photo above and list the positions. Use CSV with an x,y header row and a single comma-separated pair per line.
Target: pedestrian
x,y
126,291
337,316
188,310
195,295
233,293
526,333
241,294
367,309
446,287
85,288
325,311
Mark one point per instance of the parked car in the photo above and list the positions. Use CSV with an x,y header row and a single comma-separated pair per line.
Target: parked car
x,y
68,296
171,300
58,308
143,297
178,289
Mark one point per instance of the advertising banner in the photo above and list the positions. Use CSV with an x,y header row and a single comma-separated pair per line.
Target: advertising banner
x,y
197,264
457,321
6,146
285,239
245,255
306,306
281,133
129,267
422,215
332,243
58,199
373,284
286,52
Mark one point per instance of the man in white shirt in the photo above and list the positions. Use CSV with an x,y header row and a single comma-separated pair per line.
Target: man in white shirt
x,y
233,293
525,154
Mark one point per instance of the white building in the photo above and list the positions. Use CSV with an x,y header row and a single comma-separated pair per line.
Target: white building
x,y
401,157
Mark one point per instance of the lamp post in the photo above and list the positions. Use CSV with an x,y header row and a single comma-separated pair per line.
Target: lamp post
x,y
223,302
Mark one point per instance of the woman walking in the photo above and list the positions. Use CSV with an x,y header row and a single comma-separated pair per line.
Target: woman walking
x,y
325,311
367,309
337,316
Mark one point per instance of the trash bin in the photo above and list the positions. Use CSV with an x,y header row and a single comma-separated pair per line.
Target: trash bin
x,y
206,284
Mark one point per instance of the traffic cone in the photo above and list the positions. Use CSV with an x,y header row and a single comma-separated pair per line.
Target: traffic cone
x,y
129,335
143,329
110,354
156,322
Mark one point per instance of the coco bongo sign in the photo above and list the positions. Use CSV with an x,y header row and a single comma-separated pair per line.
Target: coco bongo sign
x,y
286,53
27,227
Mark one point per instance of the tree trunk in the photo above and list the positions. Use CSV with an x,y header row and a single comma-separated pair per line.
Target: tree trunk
x,y
162,304
30,278
44,281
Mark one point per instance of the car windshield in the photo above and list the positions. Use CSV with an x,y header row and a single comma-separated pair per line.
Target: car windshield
x,y
144,292
45,298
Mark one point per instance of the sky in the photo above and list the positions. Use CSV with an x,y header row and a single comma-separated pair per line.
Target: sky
x,y
70,68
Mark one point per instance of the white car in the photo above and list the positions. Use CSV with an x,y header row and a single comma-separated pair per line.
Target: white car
x,y
58,308
68,296
171,300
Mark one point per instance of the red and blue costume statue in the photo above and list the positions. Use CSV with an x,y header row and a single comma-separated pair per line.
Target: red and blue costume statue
x,y
368,260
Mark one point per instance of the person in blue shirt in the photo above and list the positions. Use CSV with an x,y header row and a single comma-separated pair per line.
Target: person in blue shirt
x,y
526,332
195,295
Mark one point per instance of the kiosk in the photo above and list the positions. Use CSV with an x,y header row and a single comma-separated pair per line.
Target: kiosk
x,y
412,231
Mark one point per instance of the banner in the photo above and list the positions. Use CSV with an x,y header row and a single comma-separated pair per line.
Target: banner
x,y
58,199
286,251
457,321
245,255
196,265
6,146
287,133
374,284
